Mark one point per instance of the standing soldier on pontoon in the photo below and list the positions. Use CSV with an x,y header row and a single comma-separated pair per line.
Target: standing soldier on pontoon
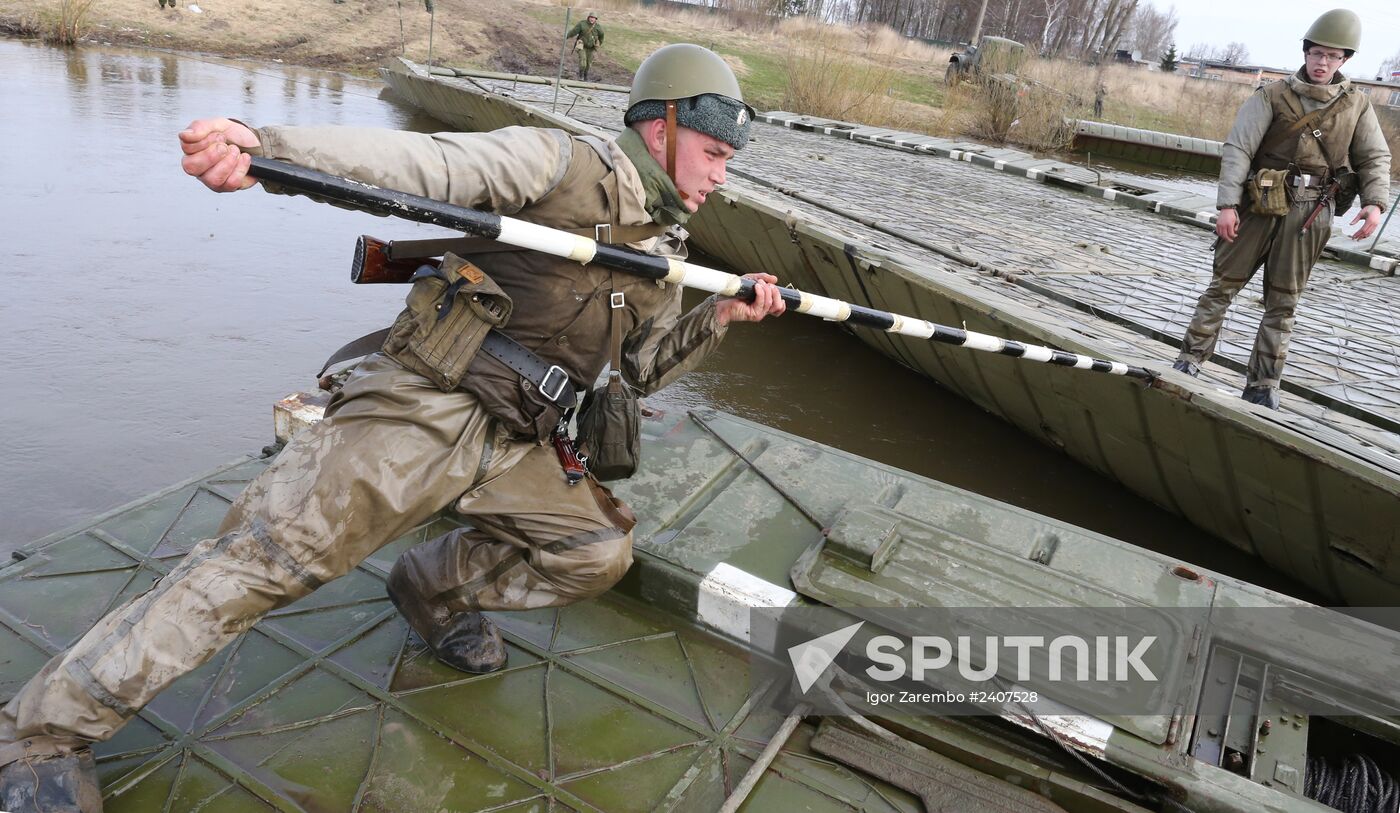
x,y
589,35
431,422
1304,146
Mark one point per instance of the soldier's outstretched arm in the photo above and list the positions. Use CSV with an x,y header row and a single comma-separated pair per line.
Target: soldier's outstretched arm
x,y
213,153
1370,157
502,170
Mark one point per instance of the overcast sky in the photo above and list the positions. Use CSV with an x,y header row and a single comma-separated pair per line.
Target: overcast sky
x,y
1273,29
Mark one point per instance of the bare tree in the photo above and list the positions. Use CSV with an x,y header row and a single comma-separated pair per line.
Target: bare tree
x,y
1152,31
1199,51
1392,64
1064,28
1117,20
1236,53
1052,12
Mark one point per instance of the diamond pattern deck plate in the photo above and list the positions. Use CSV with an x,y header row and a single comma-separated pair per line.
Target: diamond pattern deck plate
x,y
333,705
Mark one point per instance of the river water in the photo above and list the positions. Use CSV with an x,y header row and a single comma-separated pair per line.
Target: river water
x,y
152,324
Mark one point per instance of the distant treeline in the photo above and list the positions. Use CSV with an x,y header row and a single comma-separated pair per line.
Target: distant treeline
x,y
1065,28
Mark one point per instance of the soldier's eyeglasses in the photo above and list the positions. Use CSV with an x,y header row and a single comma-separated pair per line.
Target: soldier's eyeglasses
x,y
1320,56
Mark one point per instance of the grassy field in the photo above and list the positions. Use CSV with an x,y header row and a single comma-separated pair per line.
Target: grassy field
x,y
866,74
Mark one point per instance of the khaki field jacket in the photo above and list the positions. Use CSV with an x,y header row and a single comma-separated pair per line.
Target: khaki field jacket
x,y
1351,136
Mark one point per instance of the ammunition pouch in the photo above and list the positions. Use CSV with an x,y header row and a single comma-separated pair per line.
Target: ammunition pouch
x,y
1268,192
610,430
449,312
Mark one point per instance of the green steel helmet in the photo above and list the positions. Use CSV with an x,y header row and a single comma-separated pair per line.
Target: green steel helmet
x,y
592,15
1338,28
707,94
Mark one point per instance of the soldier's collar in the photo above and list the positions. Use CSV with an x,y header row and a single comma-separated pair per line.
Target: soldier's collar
x,y
1322,93
663,202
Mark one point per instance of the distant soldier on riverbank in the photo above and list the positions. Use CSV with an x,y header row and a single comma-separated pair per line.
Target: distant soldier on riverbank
x,y
588,37
1304,146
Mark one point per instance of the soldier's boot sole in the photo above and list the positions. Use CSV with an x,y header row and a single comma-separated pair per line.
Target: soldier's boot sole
x,y
65,783
467,641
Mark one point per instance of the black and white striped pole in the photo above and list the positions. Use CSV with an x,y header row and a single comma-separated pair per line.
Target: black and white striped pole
x,y
586,250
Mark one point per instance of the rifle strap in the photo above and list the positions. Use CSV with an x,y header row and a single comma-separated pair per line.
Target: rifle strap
x,y
498,345
616,302
363,346
671,141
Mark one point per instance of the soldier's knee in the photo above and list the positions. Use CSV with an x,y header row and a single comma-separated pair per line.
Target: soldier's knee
x,y
594,568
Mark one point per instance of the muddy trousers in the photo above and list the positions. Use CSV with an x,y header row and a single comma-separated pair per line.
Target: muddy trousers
x,y
585,61
392,451
1288,256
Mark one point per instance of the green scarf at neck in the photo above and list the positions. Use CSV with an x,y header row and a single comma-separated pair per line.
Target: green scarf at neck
x,y
663,202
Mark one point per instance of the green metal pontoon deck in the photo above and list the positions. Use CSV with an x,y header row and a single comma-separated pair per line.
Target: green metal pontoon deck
x,y
641,700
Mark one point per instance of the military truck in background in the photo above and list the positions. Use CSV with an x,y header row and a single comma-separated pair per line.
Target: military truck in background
x,y
991,56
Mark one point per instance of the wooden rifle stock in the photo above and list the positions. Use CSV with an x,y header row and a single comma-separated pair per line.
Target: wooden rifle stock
x,y
372,263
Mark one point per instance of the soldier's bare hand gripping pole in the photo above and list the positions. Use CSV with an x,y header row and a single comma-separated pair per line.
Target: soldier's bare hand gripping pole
x,y
585,250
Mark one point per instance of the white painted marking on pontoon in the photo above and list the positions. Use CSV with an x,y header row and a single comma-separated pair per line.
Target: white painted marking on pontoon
x,y
1205,217
1110,194
998,165
1034,174
728,593
296,412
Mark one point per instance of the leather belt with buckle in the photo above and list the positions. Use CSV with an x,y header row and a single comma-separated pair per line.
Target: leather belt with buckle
x,y
550,379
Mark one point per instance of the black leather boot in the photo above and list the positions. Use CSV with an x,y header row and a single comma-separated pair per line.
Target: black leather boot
x,y
468,641
1263,396
1191,368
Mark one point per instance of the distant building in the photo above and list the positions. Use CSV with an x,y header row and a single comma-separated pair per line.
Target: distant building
x,y
1255,75
1382,93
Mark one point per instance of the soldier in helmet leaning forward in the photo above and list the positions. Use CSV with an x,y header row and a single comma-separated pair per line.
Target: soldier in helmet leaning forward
x,y
404,438
588,37
1292,140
